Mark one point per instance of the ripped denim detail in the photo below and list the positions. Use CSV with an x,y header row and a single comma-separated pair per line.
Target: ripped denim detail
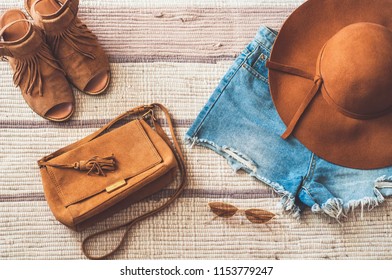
x,y
384,182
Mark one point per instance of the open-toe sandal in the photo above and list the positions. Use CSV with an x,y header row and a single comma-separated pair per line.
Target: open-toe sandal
x,y
73,44
36,71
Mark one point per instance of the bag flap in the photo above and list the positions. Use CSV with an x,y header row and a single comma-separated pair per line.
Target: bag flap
x,y
133,153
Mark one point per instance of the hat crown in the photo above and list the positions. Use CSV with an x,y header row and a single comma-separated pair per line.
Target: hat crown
x,y
356,68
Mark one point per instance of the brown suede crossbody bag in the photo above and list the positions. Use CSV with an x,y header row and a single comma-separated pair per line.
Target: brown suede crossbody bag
x,y
111,169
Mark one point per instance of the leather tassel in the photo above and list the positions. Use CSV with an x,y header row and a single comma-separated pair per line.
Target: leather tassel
x,y
96,165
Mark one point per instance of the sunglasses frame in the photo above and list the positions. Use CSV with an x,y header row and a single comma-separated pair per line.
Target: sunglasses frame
x,y
254,215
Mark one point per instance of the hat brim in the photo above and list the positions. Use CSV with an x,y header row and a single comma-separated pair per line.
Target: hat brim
x,y
362,144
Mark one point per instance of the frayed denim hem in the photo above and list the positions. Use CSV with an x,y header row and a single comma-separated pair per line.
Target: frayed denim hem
x,y
335,208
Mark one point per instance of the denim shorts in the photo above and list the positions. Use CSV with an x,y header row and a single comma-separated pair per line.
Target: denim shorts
x,y
241,123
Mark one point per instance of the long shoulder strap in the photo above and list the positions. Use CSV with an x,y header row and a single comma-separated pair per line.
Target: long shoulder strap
x,y
181,185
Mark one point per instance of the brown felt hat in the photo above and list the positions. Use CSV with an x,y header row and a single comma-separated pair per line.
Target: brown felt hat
x,y
331,80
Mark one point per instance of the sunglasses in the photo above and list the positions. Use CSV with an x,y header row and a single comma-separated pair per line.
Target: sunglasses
x,y
256,216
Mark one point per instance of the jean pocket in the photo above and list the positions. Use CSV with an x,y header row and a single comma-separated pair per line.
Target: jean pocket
x,y
256,62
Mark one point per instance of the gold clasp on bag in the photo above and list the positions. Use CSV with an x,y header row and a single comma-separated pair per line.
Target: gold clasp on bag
x,y
116,186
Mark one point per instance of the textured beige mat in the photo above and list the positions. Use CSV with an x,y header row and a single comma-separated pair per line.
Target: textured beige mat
x,y
173,52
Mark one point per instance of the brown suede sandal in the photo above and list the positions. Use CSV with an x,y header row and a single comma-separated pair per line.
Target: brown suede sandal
x,y
37,73
76,48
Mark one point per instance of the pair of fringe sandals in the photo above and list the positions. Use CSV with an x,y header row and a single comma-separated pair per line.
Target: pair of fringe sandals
x,y
49,53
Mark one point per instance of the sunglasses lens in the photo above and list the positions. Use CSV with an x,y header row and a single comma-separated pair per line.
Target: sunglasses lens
x,y
258,216
223,209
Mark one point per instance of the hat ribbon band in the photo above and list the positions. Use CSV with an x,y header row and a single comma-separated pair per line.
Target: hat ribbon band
x,y
318,81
